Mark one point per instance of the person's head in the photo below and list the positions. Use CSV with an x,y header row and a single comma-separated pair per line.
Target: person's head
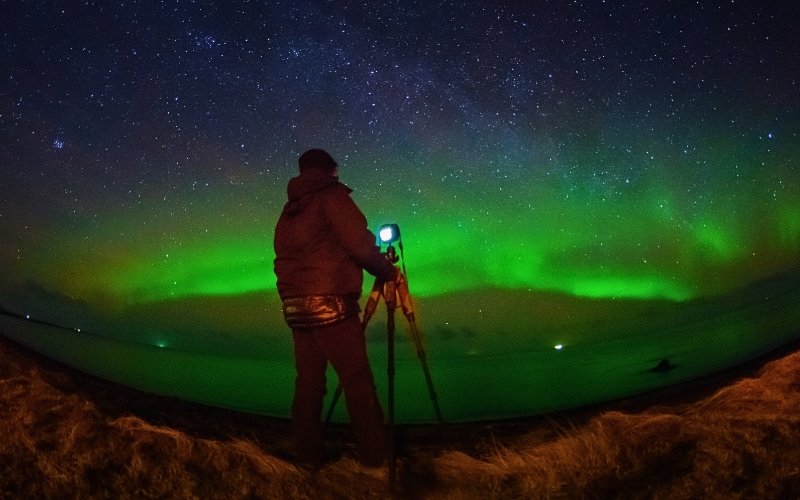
x,y
318,159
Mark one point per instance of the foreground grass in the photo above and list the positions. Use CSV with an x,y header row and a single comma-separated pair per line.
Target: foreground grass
x,y
66,435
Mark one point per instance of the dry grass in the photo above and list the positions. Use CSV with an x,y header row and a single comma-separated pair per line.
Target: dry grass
x,y
69,436
740,442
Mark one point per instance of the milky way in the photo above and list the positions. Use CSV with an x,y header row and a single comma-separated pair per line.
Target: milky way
x,y
602,149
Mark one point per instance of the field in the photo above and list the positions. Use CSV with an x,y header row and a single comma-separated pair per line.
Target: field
x,y
70,435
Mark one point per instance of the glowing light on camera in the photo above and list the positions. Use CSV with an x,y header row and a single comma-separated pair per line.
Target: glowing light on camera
x,y
389,233
386,234
558,347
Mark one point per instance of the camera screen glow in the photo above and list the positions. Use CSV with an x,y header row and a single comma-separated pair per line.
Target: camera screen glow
x,y
387,234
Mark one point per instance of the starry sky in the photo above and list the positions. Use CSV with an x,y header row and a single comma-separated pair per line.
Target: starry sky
x,y
600,149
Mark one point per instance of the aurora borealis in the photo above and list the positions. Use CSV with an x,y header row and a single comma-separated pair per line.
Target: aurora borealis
x,y
600,149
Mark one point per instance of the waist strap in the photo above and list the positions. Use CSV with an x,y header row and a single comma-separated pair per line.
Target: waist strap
x,y
313,311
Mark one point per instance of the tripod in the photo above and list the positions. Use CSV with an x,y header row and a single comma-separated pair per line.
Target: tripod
x,y
392,293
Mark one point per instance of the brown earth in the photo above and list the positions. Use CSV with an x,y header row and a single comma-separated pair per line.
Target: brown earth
x,y
69,435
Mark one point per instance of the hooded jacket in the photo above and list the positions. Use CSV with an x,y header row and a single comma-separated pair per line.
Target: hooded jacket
x,y
322,242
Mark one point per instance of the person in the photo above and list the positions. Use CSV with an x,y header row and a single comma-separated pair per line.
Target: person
x,y
322,245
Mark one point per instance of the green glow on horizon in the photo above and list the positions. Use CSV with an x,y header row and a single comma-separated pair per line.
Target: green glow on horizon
x,y
461,249
639,287
221,270
645,239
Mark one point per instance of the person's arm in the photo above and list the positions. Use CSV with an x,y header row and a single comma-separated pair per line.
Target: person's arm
x,y
350,227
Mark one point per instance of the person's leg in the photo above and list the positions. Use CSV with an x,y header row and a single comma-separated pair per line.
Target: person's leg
x,y
310,364
345,346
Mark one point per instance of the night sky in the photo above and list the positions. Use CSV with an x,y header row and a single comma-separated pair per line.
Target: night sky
x,y
602,149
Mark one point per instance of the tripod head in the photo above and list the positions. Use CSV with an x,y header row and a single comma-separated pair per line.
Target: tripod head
x,y
388,234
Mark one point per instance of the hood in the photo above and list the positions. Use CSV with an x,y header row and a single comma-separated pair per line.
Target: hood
x,y
301,189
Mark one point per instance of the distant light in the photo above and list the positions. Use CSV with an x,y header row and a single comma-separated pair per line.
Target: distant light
x,y
161,344
27,316
559,347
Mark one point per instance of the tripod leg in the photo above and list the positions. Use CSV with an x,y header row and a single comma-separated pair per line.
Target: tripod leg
x,y
372,302
390,298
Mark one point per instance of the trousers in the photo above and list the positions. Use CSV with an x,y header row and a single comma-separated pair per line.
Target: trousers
x,y
344,346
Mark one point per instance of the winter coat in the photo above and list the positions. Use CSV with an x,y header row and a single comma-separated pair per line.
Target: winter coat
x,y
322,242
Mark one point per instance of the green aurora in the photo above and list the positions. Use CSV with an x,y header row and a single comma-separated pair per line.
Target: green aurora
x,y
593,235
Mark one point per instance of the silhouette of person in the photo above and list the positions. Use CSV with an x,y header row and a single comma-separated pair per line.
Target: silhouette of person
x,y
322,245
